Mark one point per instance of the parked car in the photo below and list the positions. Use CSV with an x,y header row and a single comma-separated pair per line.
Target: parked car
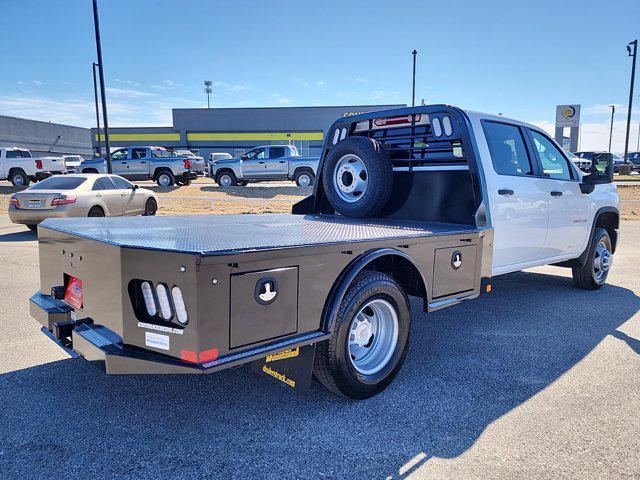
x,y
325,289
72,163
197,162
145,163
588,155
19,167
269,162
634,158
80,195
583,164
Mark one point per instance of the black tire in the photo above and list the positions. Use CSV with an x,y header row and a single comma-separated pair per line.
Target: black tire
x,y
150,207
587,276
89,170
19,179
33,227
223,176
96,211
301,176
333,366
243,183
165,178
378,177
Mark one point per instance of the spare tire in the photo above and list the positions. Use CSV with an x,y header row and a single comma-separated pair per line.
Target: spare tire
x,y
358,177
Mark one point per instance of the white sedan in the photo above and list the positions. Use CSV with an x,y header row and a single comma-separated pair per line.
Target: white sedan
x,y
80,195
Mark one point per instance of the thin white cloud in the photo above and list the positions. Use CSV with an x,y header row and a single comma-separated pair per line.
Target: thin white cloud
x,y
320,83
36,82
229,88
128,93
360,80
127,82
284,101
165,85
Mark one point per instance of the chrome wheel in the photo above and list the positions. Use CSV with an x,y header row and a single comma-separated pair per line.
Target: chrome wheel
x,y
601,262
373,336
164,180
18,180
225,181
350,178
304,180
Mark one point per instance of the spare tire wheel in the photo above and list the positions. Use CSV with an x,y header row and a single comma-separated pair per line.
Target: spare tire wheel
x,y
357,177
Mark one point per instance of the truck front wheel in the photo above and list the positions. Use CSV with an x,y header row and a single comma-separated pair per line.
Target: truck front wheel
x,y
369,339
593,274
227,179
304,178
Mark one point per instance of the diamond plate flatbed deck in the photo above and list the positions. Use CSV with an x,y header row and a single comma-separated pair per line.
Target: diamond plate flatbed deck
x,y
228,234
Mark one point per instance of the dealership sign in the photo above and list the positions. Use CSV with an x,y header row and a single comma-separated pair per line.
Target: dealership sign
x,y
568,116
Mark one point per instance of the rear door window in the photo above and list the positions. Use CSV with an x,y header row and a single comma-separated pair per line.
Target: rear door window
x,y
508,152
103,183
276,152
138,153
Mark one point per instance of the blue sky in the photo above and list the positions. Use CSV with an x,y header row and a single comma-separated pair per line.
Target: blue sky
x,y
515,58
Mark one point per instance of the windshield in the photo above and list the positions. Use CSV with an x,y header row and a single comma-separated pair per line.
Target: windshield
x,y
59,183
570,155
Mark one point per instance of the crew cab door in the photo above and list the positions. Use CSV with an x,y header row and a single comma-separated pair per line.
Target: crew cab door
x,y
520,199
120,161
569,227
138,164
254,163
277,163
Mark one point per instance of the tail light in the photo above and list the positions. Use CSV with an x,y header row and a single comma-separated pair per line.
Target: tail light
x,y
39,164
178,302
187,163
62,201
14,201
163,300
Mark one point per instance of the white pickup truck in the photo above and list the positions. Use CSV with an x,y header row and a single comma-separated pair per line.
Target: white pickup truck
x,y
431,202
19,167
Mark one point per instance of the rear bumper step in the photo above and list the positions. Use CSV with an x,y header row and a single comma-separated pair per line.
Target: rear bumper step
x,y
105,348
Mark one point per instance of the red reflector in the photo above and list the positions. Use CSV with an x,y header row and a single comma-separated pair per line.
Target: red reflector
x,y
189,356
73,294
209,355
39,164
187,164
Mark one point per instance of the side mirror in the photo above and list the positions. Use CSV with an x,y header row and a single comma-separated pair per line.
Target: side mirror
x,y
601,171
135,187
244,157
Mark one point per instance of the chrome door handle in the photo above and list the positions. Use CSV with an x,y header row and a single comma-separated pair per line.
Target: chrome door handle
x,y
281,161
261,162
556,194
143,162
505,191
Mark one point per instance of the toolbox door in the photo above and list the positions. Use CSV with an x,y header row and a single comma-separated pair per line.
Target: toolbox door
x,y
454,270
264,305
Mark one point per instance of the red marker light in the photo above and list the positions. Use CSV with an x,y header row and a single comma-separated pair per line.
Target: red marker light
x,y
209,355
189,356
187,164
39,164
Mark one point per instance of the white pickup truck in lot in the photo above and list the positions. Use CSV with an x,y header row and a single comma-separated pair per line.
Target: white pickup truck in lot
x,y
269,162
19,167
430,202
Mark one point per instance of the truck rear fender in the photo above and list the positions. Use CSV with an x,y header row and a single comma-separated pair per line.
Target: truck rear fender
x,y
388,260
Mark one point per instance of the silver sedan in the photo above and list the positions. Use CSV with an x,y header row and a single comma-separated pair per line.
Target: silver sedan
x,y
80,195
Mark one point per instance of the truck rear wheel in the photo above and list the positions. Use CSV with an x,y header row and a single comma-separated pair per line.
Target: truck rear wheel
x,y
19,179
369,339
593,274
358,177
165,179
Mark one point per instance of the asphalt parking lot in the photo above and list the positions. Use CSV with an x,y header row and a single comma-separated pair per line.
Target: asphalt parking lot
x,y
536,380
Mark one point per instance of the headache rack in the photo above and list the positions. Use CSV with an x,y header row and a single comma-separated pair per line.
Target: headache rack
x,y
425,140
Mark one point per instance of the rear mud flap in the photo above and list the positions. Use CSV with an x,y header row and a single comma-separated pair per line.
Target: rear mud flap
x,y
292,367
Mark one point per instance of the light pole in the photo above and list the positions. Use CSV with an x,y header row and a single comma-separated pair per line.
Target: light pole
x,y
413,94
95,96
632,50
207,90
613,110
96,25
